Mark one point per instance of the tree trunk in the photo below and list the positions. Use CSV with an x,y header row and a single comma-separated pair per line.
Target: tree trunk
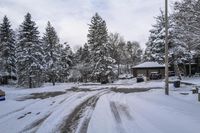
x,y
53,79
30,82
198,65
127,71
190,68
6,80
176,67
118,70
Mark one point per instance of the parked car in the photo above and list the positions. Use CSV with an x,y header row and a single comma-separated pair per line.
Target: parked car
x,y
172,73
140,78
197,75
125,76
104,81
2,95
155,76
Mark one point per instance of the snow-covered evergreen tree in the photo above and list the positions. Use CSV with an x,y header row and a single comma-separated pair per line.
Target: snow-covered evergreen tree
x,y
85,56
116,51
7,51
52,50
66,62
187,28
29,54
184,18
155,46
82,64
196,21
77,56
155,50
85,67
101,61
134,52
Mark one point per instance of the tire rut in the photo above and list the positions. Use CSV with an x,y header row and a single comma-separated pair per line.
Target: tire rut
x,y
33,127
16,111
35,124
73,120
118,111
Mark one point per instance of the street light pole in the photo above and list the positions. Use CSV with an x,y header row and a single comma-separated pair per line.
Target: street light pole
x,y
166,50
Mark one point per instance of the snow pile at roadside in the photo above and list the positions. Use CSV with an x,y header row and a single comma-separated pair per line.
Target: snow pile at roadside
x,y
192,80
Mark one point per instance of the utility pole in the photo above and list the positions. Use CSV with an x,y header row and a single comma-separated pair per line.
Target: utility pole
x,y
166,50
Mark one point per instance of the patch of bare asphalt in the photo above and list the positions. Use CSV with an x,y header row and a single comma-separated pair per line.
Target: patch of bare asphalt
x,y
77,89
132,90
44,95
72,122
35,124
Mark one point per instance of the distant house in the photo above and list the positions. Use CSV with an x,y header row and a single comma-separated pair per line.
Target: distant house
x,y
195,66
147,67
6,79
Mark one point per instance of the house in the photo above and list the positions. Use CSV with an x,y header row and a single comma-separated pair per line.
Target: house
x,y
195,66
147,68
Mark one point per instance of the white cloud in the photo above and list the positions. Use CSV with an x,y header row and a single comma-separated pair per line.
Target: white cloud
x,y
73,31
131,18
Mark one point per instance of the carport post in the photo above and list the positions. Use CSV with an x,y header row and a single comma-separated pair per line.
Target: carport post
x,y
166,50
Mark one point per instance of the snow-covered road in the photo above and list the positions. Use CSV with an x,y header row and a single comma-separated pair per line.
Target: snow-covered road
x,y
95,108
144,113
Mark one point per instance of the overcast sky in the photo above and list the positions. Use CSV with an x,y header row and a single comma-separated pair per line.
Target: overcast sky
x,y
131,18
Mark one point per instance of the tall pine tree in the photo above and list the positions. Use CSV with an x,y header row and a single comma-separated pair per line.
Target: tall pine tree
x,y
66,62
29,54
187,27
114,40
52,51
7,51
134,52
155,45
85,68
101,61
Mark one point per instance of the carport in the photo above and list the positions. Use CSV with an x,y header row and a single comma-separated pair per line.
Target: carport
x,y
147,67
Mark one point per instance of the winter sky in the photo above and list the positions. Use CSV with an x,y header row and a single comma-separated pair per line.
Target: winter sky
x,y
131,18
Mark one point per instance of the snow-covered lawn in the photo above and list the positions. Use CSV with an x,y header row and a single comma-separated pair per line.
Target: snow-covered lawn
x,y
95,108
193,80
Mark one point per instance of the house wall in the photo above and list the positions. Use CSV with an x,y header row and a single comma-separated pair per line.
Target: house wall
x,y
141,71
147,71
194,69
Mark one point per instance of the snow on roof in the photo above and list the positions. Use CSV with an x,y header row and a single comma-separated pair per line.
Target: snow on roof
x,y
149,65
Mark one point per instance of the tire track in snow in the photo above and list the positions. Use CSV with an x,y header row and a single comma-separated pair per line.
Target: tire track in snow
x,y
33,127
73,121
30,104
17,110
118,110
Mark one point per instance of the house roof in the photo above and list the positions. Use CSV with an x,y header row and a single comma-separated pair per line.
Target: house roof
x,y
150,65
